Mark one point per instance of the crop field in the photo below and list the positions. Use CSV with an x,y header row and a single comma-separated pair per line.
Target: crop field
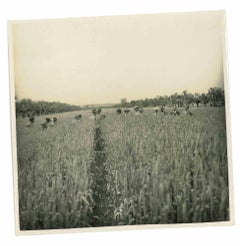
x,y
123,170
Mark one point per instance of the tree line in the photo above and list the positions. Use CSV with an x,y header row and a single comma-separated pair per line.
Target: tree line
x,y
26,107
213,98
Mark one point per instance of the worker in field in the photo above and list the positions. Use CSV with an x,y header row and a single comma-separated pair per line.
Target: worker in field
x,y
119,111
55,120
162,109
187,107
46,123
136,108
31,120
97,114
99,111
187,111
156,110
175,111
78,117
126,111
94,113
138,111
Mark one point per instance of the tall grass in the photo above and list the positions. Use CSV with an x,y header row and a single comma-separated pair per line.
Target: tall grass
x,y
168,169
149,169
54,189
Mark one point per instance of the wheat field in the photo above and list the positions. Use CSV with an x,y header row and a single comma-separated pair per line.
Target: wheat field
x,y
124,170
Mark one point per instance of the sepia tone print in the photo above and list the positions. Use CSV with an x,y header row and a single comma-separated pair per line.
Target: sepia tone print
x,y
120,121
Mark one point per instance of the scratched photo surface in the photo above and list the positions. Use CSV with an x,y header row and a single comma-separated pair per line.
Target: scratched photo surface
x,y
120,120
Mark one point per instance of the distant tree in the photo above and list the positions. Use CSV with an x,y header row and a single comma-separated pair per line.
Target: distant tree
x,y
204,99
179,101
187,98
86,107
173,99
26,107
166,100
124,102
140,103
197,99
146,102
132,103
161,100
216,96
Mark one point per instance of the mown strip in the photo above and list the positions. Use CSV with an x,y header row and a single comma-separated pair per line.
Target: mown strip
x,y
98,174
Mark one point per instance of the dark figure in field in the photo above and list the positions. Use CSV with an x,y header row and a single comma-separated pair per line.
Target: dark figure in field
x,y
187,111
102,116
97,114
126,111
118,111
99,110
78,117
55,120
136,108
175,112
94,111
140,110
44,125
31,120
48,119
162,109
156,110
187,107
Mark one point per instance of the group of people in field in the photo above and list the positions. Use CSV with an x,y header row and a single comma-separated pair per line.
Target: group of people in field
x,y
97,115
138,110
174,111
157,110
47,122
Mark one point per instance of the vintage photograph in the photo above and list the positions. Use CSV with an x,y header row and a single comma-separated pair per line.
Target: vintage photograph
x,y
120,121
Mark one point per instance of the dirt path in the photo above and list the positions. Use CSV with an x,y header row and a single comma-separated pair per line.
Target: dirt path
x,y
98,175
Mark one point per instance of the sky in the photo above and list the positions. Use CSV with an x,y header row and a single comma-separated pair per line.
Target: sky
x,y
96,60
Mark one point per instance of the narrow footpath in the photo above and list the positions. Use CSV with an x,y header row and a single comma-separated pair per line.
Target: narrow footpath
x,y
98,175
